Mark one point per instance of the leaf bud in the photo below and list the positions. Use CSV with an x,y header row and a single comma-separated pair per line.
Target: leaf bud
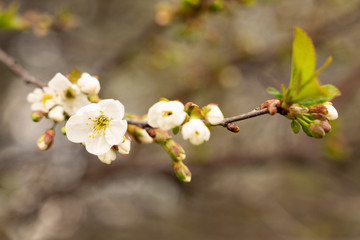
x,y
233,128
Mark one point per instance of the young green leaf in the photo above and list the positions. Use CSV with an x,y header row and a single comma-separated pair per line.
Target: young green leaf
x,y
275,93
295,126
303,60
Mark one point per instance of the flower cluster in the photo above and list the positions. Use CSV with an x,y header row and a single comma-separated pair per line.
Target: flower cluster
x,y
195,122
314,120
97,124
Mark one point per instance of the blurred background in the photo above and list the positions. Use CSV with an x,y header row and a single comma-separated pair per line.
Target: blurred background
x,y
262,183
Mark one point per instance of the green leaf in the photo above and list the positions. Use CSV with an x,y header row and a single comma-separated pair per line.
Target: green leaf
x,y
303,61
275,93
295,126
176,130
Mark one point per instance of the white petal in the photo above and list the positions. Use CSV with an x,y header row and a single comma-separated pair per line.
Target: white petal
x,y
76,129
112,108
115,133
97,145
59,83
108,157
57,114
88,84
124,147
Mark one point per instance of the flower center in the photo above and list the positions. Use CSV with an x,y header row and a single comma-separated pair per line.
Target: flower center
x,y
70,93
166,113
46,97
99,125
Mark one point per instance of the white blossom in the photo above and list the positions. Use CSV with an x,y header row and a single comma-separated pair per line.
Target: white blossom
x,y
332,112
57,114
98,125
166,115
195,131
124,146
42,99
214,116
108,157
89,84
70,96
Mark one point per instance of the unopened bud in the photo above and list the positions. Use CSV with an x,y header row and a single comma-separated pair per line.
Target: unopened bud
x,y
151,132
124,147
325,125
45,140
316,131
89,84
63,130
213,114
108,157
233,128
181,171
57,114
332,113
160,136
37,116
142,135
175,150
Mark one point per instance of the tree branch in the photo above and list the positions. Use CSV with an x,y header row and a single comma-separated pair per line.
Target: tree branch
x,y
18,70
254,113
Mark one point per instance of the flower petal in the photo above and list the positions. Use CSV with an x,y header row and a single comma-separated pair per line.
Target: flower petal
x,y
59,83
97,145
76,129
112,108
115,133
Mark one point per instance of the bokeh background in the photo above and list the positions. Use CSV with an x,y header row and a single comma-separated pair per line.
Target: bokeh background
x,y
262,183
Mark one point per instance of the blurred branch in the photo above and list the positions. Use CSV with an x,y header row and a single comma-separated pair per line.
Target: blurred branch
x,y
18,70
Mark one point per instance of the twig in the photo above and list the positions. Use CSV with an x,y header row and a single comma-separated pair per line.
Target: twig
x,y
18,70
254,113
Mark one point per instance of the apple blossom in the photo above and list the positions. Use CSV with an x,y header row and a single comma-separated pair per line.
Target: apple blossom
x,y
108,157
166,115
214,116
70,96
98,125
57,114
195,131
89,84
42,99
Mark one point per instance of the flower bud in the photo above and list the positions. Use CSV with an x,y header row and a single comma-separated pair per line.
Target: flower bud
x,y
89,84
57,114
316,131
325,125
63,130
195,131
175,150
124,147
108,157
332,113
37,116
140,134
213,114
45,140
181,171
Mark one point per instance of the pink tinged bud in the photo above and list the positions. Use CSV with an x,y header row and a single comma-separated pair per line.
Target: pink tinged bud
x,y
316,131
325,125
45,141
332,113
88,84
108,157
175,150
181,171
214,116
37,116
